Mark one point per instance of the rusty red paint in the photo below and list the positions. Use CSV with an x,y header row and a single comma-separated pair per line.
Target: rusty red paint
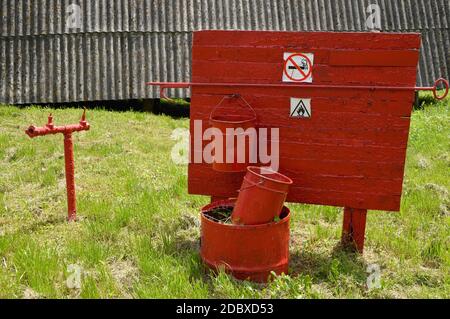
x,y
243,250
67,131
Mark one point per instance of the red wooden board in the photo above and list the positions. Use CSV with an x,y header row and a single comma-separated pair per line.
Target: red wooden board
x,y
351,152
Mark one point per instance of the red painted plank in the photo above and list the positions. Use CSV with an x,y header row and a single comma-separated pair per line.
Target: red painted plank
x,y
310,180
369,143
401,96
332,145
314,167
205,103
355,138
225,185
375,58
297,150
311,40
256,72
271,117
321,56
361,200
239,54
340,152
349,183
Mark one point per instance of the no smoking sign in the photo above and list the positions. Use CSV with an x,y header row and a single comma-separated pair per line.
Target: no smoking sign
x,y
297,67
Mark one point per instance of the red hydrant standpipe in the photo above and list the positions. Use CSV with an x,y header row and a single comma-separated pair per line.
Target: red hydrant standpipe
x,y
67,131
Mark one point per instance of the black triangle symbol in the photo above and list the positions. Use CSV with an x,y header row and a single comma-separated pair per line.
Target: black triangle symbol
x,y
300,110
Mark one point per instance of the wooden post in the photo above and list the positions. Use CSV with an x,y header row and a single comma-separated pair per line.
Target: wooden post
x,y
353,228
216,198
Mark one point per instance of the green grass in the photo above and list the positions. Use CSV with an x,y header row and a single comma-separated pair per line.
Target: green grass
x,y
138,233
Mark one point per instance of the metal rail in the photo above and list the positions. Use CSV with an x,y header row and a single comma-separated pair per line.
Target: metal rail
x,y
167,85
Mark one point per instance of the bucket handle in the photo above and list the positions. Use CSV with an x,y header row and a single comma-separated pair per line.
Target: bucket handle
x,y
260,185
231,96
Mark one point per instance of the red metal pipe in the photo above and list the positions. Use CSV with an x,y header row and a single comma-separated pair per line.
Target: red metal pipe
x,y
167,85
67,131
50,128
70,177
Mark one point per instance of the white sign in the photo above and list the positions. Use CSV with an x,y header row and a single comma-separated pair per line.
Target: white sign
x,y
300,107
297,67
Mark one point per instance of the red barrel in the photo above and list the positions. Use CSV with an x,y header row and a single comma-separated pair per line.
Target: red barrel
x,y
248,252
261,196
231,114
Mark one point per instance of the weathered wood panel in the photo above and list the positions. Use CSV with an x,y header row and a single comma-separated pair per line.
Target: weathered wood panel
x,y
351,151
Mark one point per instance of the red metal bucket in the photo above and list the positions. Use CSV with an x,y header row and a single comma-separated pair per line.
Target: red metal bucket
x,y
261,196
248,252
233,117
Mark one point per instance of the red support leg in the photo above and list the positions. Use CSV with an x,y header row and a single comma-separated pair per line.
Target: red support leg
x,y
216,198
70,177
354,228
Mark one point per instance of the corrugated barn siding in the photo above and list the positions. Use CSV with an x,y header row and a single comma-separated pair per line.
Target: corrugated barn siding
x,y
121,44
37,17
90,67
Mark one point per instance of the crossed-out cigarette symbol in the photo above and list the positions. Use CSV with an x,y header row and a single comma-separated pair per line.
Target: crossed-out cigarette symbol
x,y
297,69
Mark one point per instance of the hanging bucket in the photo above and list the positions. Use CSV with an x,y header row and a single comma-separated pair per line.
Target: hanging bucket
x,y
261,196
247,252
232,117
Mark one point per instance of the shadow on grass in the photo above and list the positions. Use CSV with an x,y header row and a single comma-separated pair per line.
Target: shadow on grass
x,y
320,267
328,267
424,100
177,109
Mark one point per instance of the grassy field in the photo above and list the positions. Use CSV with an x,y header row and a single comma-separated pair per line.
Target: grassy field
x,y
138,232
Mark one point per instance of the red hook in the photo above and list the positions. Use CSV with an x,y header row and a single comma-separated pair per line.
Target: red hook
x,y
162,88
435,88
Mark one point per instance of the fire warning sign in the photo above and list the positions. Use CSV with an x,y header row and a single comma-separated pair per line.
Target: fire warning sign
x,y
297,67
300,107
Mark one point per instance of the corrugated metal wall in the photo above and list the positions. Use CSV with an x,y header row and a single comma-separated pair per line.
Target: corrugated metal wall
x,y
89,67
121,44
